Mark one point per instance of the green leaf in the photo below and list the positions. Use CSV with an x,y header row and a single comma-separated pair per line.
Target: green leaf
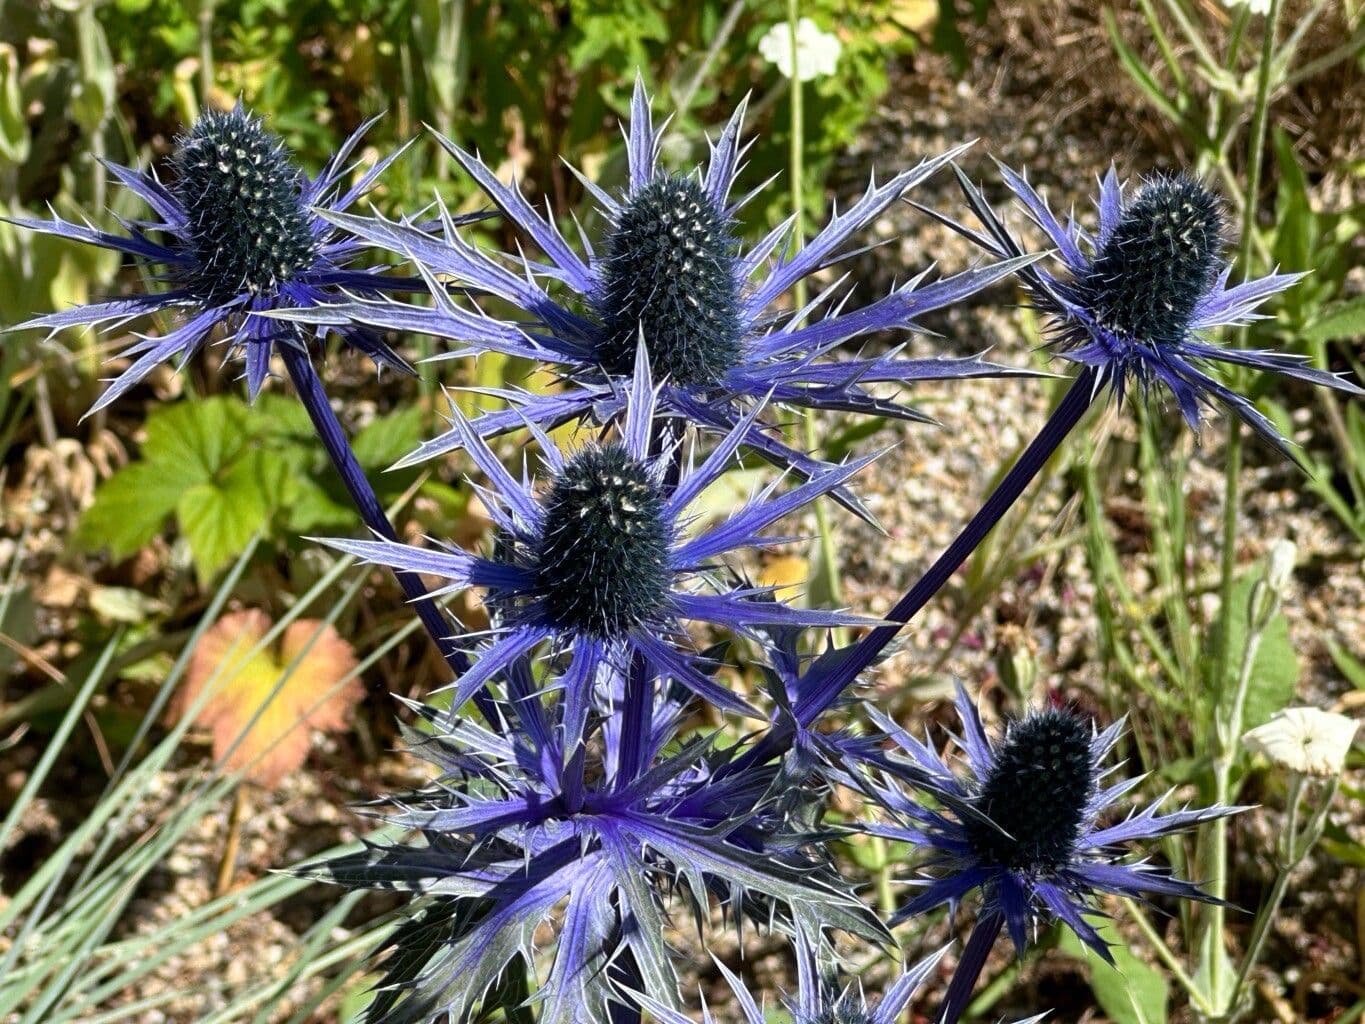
x,y
1296,224
14,138
281,418
196,439
311,507
1131,992
130,507
388,439
1338,322
1347,664
219,518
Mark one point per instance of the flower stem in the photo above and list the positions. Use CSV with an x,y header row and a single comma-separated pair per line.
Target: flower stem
x,y
314,398
974,955
1294,847
826,691
1166,956
1063,420
1216,965
796,171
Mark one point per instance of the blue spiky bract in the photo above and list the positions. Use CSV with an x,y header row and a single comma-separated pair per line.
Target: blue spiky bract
x,y
238,234
521,830
596,567
669,269
1135,299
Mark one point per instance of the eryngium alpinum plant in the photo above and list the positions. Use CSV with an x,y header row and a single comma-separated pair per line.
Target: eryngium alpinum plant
x,y
579,817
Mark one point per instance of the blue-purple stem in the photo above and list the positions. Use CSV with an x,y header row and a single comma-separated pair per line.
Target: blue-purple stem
x,y
969,968
859,656
314,398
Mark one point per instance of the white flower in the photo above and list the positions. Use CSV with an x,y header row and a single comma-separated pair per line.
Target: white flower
x,y
817,52
1304,740
1254,6
1280,566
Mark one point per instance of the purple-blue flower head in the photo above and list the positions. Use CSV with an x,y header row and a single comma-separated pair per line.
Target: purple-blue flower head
x,y
1135,299
236,233
671,268
599,563
522,830
1036,844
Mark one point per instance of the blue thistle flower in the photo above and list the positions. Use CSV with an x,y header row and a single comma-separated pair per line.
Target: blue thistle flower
x,y
671,270
599,564
523,827
1035,847
238,232
1135,299
1025,831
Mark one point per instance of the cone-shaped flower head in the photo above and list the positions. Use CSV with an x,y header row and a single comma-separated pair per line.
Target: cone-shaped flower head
x,y
236,233
670,268
522,831
669,276
597,561
1135,299
602,565
246,228
1026,826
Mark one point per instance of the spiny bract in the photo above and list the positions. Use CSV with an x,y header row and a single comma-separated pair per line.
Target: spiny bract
x,y
1036,794
669,276
845,1011
603,558
1160,259
247,229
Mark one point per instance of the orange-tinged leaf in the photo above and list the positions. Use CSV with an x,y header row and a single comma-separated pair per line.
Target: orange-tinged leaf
x,y
296,687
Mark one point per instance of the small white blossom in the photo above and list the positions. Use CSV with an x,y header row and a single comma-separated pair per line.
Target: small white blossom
x,y
1254,6
1304,740
817,52
1280,566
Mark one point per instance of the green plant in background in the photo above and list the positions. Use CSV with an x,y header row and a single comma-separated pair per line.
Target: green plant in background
x,y
57,119
1217,96
1206,682
72,950
226,472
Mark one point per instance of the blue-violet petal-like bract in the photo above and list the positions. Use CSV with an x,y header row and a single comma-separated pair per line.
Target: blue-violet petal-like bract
x,y
522,829
599,564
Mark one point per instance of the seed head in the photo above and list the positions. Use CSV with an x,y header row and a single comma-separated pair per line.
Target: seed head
x,y
670,271
1037,793
603,566
247,228
1160,259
